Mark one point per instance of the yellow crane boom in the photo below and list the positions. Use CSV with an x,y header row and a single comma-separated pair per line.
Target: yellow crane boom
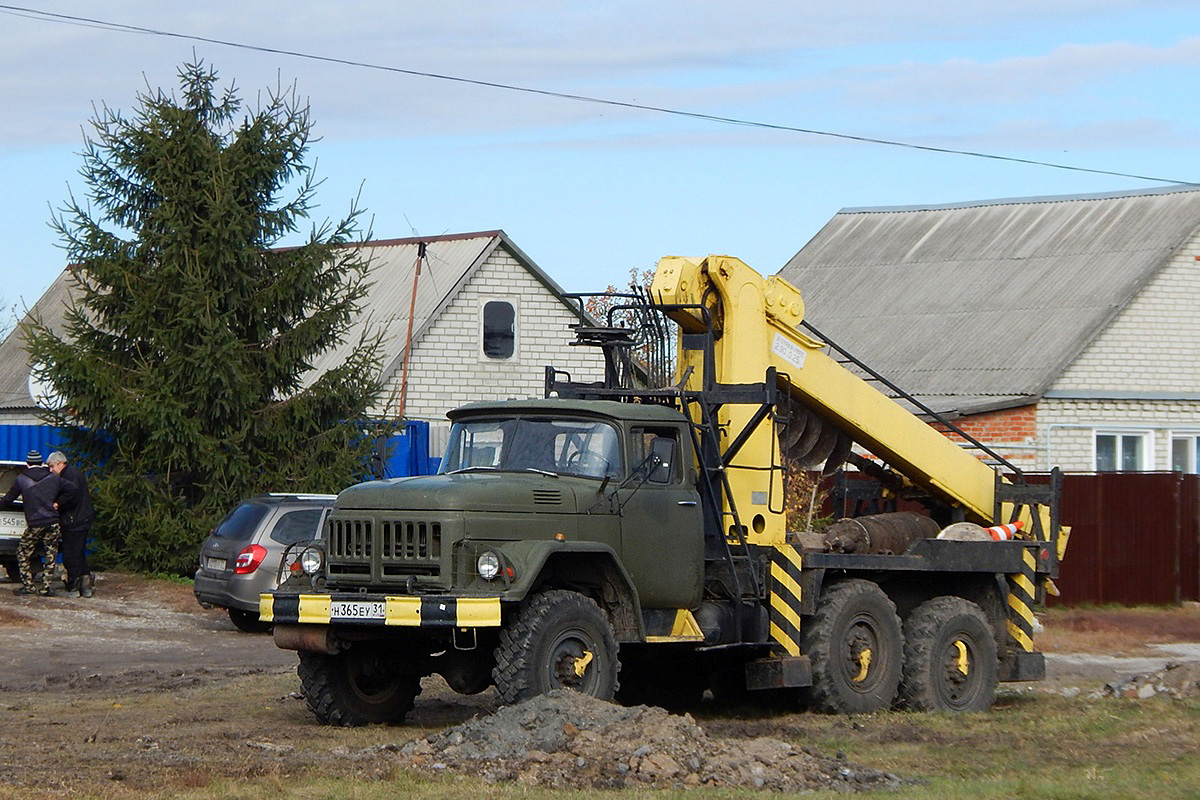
x,y
758,320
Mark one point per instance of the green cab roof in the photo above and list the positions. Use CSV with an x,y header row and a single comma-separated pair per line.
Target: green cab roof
x,y
612,409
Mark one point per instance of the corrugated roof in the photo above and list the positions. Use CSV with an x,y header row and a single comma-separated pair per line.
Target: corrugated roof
x,y
977,303
449,262
51,307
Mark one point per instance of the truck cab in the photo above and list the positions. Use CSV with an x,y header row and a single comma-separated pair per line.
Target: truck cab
x,y
523,484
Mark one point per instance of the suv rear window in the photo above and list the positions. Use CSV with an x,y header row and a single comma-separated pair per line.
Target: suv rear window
x,y
242,521
297,526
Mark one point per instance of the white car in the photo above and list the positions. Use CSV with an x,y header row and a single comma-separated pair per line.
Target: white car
x,y
12,521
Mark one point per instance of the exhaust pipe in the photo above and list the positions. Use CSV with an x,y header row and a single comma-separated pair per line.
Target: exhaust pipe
x,y
309,638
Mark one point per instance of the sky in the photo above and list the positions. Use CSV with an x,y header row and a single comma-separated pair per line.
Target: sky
x,y
593,190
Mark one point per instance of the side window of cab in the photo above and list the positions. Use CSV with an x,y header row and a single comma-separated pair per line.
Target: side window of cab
x,y
656,449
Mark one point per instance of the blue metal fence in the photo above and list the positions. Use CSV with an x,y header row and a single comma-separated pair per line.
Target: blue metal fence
x,y
404,454
408,453
17,440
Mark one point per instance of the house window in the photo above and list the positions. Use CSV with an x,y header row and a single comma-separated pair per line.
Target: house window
x,y
1185,455
1121,451
499,331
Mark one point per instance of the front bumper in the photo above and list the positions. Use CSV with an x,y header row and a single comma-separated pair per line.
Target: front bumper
x,y
428,611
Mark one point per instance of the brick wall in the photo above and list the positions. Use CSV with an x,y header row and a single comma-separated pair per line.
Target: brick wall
x,y
1152,344
1067,428
1010,433
448,367
1150,348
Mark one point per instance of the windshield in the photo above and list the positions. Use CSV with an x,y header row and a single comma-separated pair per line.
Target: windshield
x,y
586,448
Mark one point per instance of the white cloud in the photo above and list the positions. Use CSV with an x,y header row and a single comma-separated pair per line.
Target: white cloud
x,y
1019,79
705,56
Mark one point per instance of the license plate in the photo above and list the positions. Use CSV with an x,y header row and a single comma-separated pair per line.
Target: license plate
x,y
211,562
358,609
11,520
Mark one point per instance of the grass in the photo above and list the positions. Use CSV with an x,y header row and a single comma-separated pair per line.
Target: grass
x,y
1031,745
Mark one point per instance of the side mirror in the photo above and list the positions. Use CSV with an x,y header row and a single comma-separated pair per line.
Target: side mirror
x,y
662,459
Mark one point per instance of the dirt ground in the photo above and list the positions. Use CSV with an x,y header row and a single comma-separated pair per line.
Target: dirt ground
x,y
139,686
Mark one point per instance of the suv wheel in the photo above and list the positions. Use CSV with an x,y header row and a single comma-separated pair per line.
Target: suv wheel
x,y
248,621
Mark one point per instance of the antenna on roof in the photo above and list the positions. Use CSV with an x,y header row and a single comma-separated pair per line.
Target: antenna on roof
x,y
412,310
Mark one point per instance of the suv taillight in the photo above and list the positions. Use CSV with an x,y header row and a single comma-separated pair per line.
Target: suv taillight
x,y
249,559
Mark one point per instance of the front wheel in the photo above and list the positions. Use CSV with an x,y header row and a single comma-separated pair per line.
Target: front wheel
x,y
558,639
363,685
950,661
854,647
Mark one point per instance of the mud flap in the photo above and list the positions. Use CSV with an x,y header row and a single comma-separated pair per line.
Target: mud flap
x,y
1018,666
778,673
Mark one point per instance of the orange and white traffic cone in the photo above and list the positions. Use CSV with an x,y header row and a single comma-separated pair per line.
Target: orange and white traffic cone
x,y
1005,533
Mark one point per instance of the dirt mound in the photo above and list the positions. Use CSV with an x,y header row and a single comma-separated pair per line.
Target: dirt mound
x,y
565,739
1175,680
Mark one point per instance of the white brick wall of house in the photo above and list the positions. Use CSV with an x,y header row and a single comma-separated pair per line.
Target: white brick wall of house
x,y
1139,377
448,366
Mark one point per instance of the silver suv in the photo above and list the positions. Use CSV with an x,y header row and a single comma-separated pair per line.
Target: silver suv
x,y
12,521
240,558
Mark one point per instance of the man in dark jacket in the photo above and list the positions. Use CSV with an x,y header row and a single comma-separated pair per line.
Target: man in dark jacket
x,y
41,491
75,523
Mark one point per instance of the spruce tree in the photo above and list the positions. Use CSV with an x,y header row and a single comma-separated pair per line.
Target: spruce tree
x,y
182,365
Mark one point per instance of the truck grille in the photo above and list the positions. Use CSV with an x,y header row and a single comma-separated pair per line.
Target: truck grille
x,y
405,540
350,539
364,550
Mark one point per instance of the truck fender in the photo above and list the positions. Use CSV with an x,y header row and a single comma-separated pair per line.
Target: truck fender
x,y
588,567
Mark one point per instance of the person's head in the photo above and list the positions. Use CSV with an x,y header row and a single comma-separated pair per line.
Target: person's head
x,y
56,461
33,459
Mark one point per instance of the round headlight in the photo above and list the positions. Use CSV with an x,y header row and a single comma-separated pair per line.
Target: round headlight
x,y
488,565
310,561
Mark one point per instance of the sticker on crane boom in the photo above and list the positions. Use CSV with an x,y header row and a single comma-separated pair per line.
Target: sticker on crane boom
x,y
789,351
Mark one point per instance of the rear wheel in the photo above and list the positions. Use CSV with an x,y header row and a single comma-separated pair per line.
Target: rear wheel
x,y
950,661
363,685
248,621
558,639
855,650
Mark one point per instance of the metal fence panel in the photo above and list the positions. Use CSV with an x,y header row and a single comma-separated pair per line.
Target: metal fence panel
x,y
1133,538
17,440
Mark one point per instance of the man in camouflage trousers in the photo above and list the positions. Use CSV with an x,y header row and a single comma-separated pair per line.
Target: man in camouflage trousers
x,y
41,491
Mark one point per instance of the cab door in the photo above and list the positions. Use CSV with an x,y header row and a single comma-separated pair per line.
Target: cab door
x,y
662,540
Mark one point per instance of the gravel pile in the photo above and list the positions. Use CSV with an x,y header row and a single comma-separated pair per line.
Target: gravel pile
x,y
565,739
1175,680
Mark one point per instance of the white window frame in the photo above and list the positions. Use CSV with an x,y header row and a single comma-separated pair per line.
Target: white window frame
x,y
1192,438
516,307
1145,435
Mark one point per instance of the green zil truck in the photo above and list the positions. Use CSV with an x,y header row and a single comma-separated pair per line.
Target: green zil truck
x,y
628,538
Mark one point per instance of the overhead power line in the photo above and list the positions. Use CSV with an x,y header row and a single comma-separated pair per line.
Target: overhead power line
x,y
124,28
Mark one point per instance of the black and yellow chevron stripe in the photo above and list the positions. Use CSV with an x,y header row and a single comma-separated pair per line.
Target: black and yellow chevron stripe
x,y
1020,602
785,596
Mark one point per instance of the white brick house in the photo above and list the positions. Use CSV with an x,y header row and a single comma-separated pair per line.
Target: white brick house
x,y
485,322
1061,331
